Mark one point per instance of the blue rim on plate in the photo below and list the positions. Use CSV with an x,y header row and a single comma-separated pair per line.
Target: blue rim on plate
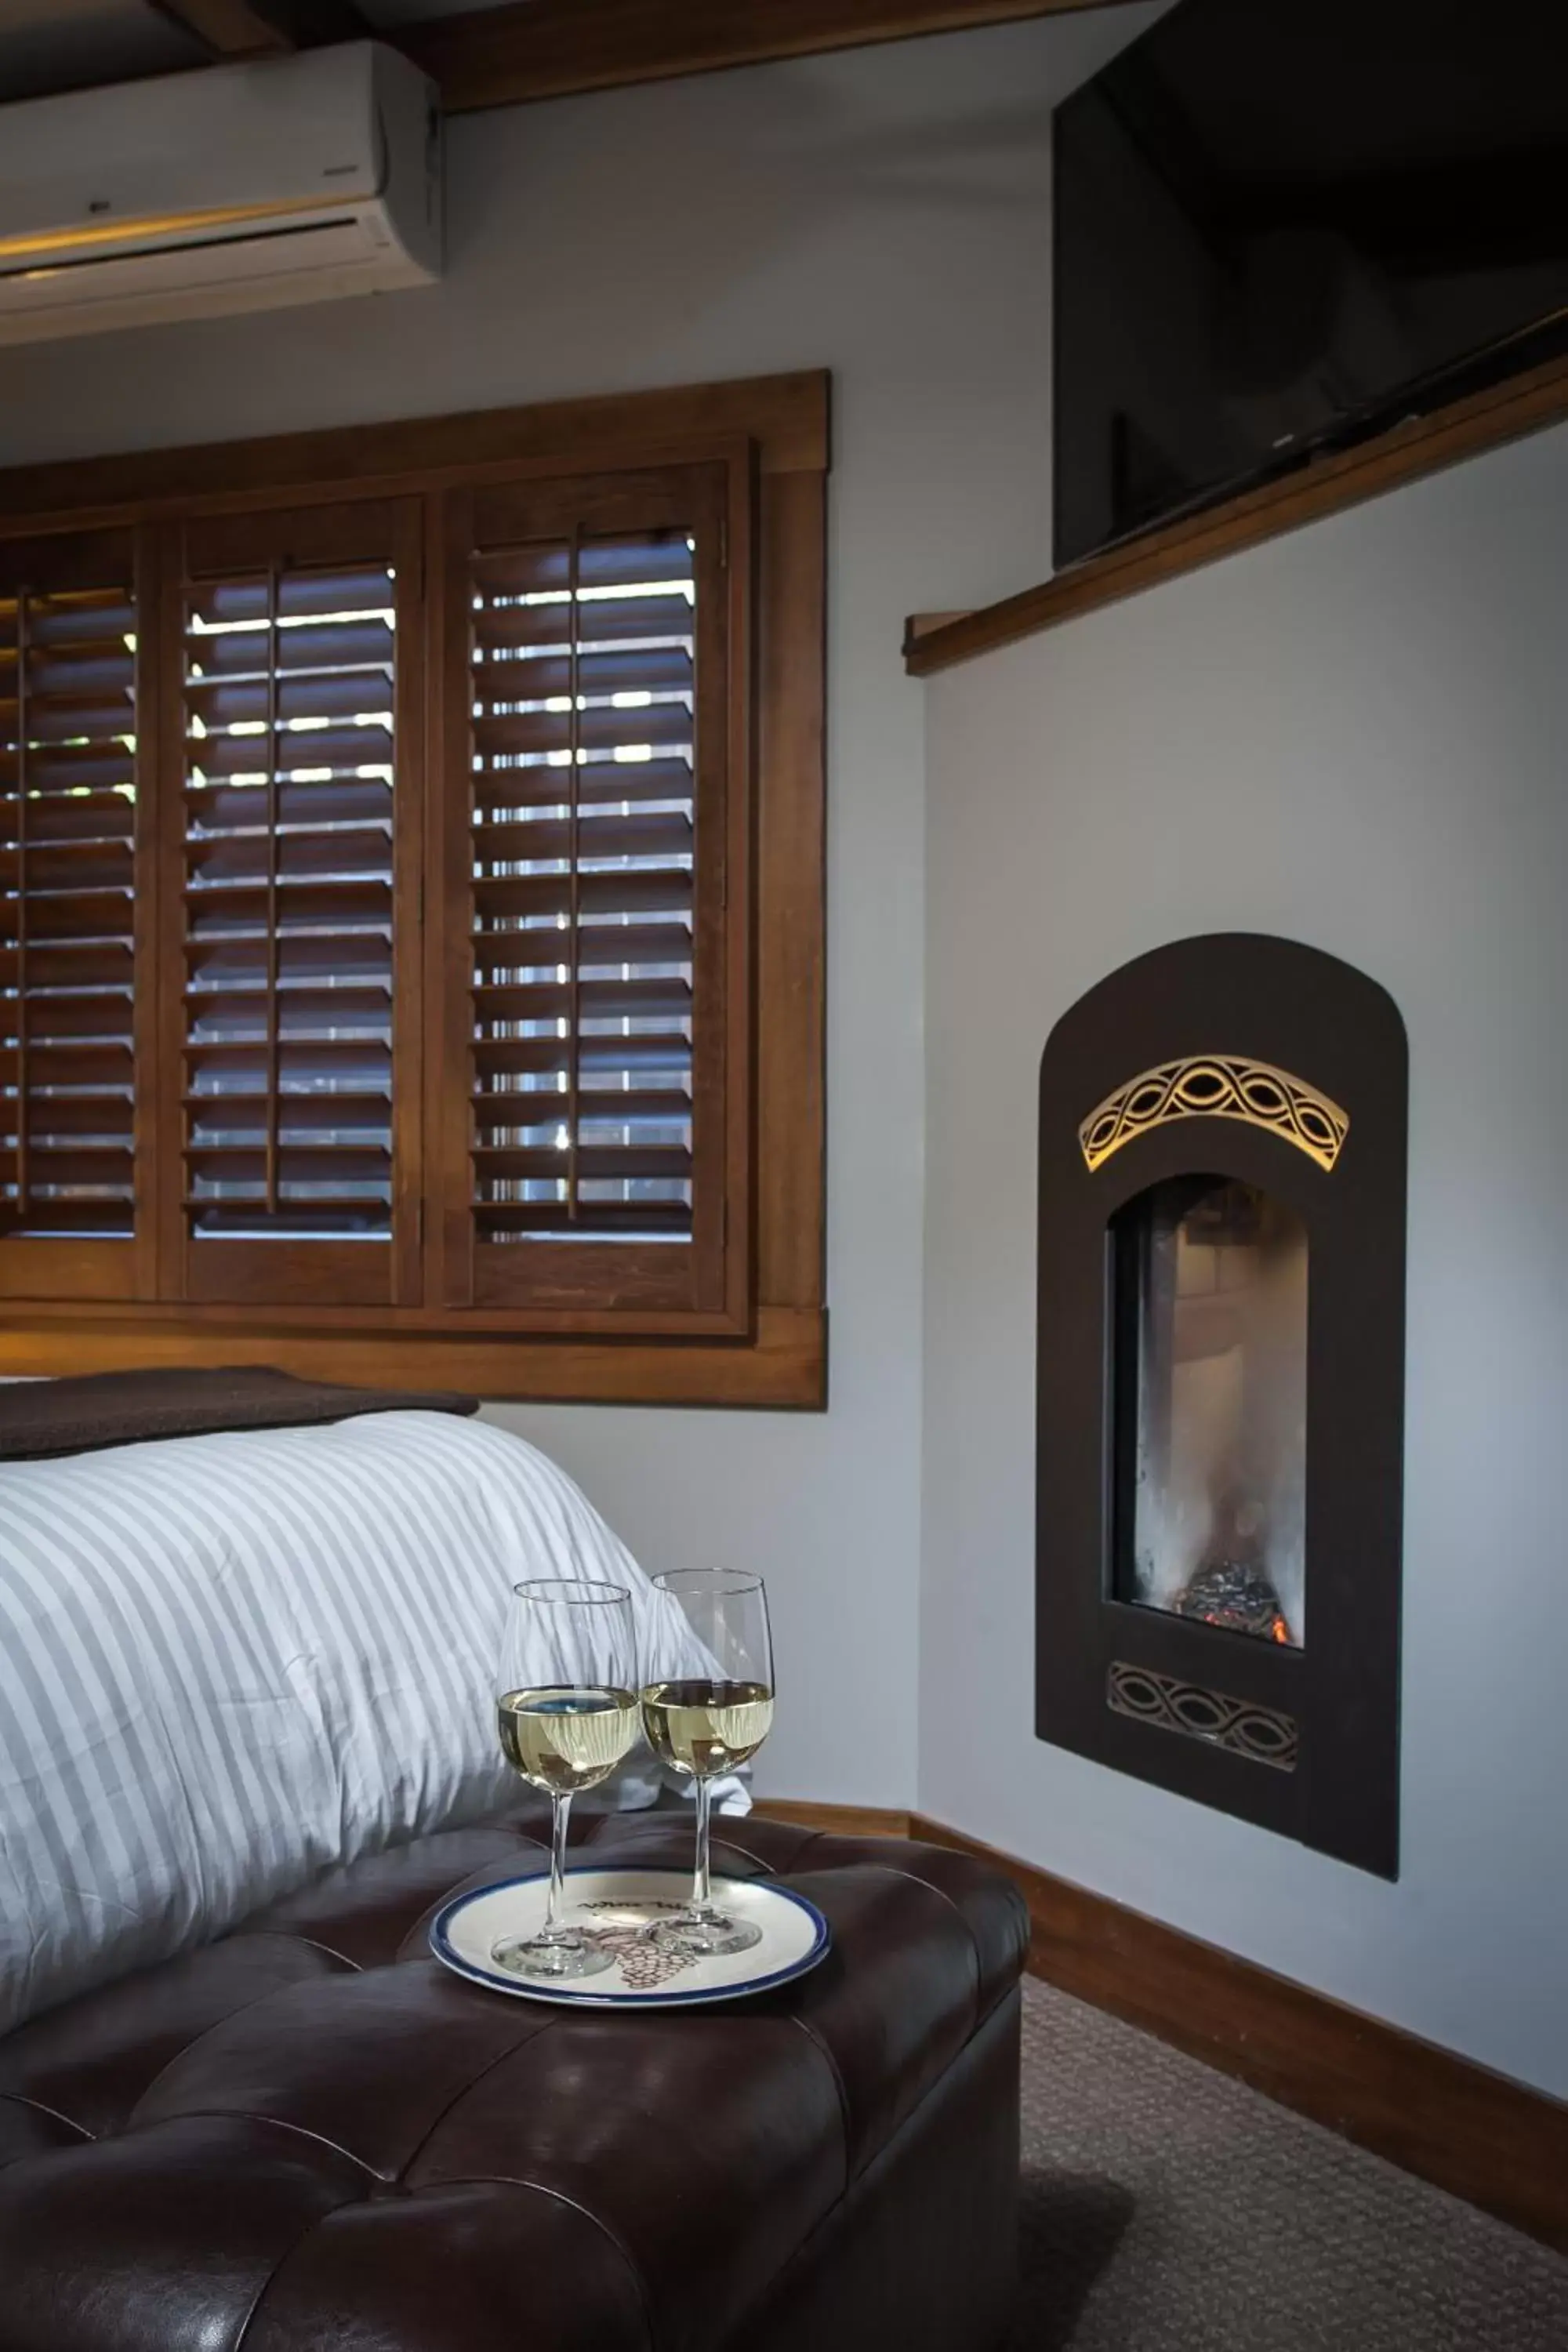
x,y
588,1993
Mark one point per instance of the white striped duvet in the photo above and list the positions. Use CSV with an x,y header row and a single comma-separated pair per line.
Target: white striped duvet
x,y
227,1661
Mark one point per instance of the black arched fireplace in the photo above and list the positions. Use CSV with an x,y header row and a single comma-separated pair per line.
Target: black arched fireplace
x,y
1221,1386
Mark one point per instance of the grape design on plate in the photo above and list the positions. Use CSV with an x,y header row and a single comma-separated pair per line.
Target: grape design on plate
x,y
644,1965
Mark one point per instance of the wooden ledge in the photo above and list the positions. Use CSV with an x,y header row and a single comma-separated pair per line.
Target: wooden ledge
x,y
1422,445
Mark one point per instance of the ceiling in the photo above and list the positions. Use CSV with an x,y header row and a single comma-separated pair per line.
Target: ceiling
x,y
480,53
54,44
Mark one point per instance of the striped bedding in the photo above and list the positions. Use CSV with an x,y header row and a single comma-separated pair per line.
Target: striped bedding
x,y
227,1661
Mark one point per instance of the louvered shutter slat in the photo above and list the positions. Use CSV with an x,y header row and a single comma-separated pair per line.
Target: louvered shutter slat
x,y
602,946
56,867
665,837
67,768
332,1067
74,811
289,709
561,897
621,562
345,855
303,1017
599,782
292,905
607,1005
105,967
614,1054
79,719
548,1219
321,695
300,807
504,625
313,751
565,732
652,669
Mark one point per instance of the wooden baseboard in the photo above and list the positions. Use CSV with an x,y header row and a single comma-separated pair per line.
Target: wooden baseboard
x,y
1495,2142
841,1820
1483,2136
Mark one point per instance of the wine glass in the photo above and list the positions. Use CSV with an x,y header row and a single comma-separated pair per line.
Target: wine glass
x,y
566,1705
707,1707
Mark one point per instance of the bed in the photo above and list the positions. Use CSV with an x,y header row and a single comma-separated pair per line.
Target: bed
x,y
230,1660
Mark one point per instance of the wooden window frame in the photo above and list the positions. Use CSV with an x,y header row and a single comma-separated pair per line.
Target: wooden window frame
x,y
764,1341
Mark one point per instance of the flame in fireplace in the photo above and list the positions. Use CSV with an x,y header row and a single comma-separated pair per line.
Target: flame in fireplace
x,y
1277,1629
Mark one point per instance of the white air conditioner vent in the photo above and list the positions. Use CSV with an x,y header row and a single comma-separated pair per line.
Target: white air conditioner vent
x,y
237,188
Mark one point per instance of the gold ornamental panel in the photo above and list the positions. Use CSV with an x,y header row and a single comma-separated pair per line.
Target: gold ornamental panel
x,y
1217,1086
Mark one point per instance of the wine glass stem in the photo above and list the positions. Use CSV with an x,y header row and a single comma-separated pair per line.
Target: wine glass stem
x,y
560,1815
702,1884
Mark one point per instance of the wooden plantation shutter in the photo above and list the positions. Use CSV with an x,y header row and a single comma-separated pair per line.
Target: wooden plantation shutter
x,y
595,1109
70,924
411,896
297,751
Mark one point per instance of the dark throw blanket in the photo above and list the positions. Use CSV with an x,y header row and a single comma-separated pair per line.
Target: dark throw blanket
x,y
41,1419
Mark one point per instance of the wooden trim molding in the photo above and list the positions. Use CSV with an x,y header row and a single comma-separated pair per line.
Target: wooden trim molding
x,y
554,49
1495,2142
1406,453
838,1821
786,416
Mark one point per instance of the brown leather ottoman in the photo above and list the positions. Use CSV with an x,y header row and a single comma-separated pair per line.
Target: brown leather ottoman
x,y
312,2137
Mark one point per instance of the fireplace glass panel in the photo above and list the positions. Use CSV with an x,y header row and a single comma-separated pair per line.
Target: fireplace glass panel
x,y
1210,1404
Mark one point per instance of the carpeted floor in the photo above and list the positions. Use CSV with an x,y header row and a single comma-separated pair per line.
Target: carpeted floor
x,y
1167,2208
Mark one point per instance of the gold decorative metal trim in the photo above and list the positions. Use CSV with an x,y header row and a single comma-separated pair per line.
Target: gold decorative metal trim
x,y
1262,1734
1217,1086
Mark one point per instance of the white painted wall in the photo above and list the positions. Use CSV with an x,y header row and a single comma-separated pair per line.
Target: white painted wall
x,y
882,214
1356,737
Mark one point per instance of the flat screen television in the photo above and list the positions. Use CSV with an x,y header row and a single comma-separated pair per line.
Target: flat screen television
x,y
1282,226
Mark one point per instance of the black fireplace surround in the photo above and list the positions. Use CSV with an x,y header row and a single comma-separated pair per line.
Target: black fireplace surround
x,y
1221,1386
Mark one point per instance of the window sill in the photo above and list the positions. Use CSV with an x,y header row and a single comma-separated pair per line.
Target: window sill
x,y
785,1365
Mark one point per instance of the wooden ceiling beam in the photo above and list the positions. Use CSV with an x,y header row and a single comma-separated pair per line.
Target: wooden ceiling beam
x,y
551,48
255,28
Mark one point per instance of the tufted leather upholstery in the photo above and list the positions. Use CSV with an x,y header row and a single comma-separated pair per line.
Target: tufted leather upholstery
x,y
310,2135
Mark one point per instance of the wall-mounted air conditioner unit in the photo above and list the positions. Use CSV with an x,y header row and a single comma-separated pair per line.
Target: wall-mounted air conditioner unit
x,y
236,188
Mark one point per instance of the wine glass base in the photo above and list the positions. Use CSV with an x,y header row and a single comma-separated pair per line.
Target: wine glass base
x,y
535,1957
709,1938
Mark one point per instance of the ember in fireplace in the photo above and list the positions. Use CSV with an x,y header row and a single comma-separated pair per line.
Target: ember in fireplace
x,y
1228,1593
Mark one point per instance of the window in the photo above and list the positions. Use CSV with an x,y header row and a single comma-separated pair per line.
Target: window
x,y
411,903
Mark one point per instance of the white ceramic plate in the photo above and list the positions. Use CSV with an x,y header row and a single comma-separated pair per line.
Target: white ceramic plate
x,y
795,1938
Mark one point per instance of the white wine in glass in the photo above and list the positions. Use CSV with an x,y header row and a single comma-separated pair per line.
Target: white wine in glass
x,y
709,1721
566,1708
